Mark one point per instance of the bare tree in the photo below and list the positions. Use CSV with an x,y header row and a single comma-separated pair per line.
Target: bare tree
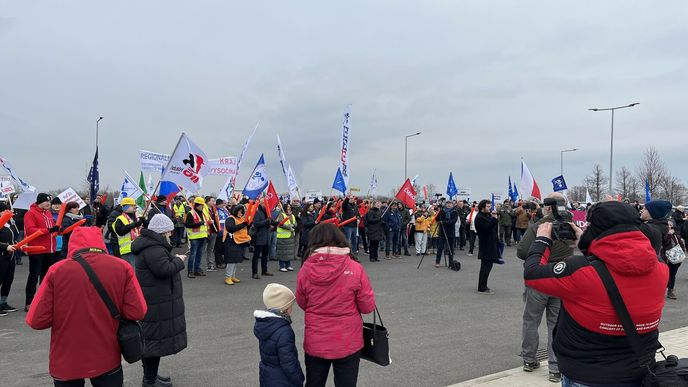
x,y
634,188
652,170
577,193
431,190
624,181
670,188
597,182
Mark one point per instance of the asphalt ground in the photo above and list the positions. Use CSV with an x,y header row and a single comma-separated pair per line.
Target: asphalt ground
x,y
441,331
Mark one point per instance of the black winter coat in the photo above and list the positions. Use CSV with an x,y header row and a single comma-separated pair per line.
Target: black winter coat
x,y
488,239
261,224
164,327
233,253
447,222
349,210
307,224
279,358
374,227
8,236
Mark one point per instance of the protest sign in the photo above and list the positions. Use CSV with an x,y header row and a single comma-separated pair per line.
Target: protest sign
x,y
69,195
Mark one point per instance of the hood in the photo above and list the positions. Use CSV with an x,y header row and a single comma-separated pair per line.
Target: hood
x,y
85,237
267,323
147,239
627,252
326,264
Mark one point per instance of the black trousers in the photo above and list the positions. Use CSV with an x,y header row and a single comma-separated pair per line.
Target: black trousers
x,y
373,250
364,237
7,266
38,266
462,236
260,253
114,378
150,368
485,268
345,370
471,241
218,251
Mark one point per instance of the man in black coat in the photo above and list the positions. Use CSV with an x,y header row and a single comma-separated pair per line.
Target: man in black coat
x,y
446,229
375,230
463,210
486,226
261,225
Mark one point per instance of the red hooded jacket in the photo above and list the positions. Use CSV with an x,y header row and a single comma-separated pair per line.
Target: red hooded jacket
x,y
83,340
334,291
37,219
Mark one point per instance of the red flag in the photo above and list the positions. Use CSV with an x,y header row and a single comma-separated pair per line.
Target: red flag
x,y
407,195
425,192
272,199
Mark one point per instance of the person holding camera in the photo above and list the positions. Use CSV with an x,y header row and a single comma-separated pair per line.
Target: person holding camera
x,y
537,303
446,221
486,224
590,341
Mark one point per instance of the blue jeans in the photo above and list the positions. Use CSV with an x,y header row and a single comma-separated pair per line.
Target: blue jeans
x,y
352,237
131,258
196,255
392,242
284,264
566,382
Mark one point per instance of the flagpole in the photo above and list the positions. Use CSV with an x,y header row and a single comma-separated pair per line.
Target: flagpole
x,y
148,203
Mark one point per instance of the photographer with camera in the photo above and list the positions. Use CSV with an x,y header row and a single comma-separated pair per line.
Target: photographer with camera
x,y
537,303
446,221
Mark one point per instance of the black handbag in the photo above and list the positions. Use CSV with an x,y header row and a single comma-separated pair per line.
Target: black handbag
x,y
670,372
129,333
376,342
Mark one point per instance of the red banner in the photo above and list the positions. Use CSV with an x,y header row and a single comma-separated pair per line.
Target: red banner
x,y
579,219
407,194
272,197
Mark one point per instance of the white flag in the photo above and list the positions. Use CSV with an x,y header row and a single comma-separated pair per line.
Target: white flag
x,y
187,165
8,167
344,155
588,198
293,187
230,184
282,158
372,190
129,189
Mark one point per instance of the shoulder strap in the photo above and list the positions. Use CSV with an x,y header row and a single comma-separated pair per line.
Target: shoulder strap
x,y
97,284
620,308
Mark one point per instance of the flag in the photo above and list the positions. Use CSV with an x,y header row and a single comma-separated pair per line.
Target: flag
x,y
169,189
588,198
494,208
94,178
451,187
129,188
425,193
559,184
141,201
293,186
513,192
372,189
230,183
272,197
258,181
149,184
529,186
339,184
413,181
407,194
187,165
344,154
648,195
282,157
8,167
516,194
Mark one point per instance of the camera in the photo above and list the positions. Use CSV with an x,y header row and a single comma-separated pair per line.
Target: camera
x,y
561,229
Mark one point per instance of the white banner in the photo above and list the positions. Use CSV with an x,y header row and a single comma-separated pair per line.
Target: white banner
x,y
372,189
69,195
312,195
188,165
25,200
225,166
498,197
230,184
293,187
6,186
153,161
129,188
8,167
463,194
344,155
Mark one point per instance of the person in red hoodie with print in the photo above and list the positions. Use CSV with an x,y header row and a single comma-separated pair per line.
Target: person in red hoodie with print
x,y
83,339
38,218
334,291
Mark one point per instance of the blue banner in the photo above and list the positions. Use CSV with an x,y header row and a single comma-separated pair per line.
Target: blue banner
x,y
339,184
451,187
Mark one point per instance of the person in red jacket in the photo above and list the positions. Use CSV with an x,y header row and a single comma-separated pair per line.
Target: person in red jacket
x,y
83,339
38,218
334,291
589,340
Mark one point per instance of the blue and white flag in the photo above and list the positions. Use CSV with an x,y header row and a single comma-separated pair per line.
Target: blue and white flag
x,y
451,187
494,207
8,167
372,189
94,178
258,181
339,184
648,195
129,189
344,154
559,184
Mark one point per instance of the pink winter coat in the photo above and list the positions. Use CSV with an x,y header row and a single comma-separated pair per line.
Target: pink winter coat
x,y
334,291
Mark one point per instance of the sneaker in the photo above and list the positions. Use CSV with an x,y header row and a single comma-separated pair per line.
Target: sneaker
x,y
530,367
438,265
199,274
283,270
387,257
290,268
3,313
554,377
235,280
7,308
191,275
489,293
470,254
228,281
211,268
255,276
267,274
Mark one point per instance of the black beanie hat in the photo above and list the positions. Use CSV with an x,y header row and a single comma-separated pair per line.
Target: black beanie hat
x,y
56,200
161,199
42,198
604,216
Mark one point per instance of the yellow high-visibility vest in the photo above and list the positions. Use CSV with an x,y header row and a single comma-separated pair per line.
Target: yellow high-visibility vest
x,y
198,232
126,240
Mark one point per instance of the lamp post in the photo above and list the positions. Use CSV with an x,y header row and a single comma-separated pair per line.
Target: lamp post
x,y
562,158
406,153
611,151
97,128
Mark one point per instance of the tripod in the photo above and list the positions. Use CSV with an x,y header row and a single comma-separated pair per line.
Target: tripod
x,y
446,241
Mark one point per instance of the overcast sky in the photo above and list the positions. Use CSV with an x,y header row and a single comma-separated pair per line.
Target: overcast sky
x,y
486,82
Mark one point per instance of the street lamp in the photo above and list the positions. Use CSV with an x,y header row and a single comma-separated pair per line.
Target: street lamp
x,y
97,128
562,158
406,152
611,152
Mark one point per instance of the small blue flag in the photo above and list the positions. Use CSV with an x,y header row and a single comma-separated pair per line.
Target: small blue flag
x,y
339,183
513,194
494,208
516,195
648,196
258,181
559,184
94,178
451,187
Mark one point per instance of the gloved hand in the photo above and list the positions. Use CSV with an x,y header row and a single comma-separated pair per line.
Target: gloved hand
x,y
54,229
139,222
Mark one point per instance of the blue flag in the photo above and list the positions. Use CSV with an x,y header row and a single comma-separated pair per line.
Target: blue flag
x,y
451,187
94,178
516,195
648,196
559,184
258,181
513,194
339,183
494,208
